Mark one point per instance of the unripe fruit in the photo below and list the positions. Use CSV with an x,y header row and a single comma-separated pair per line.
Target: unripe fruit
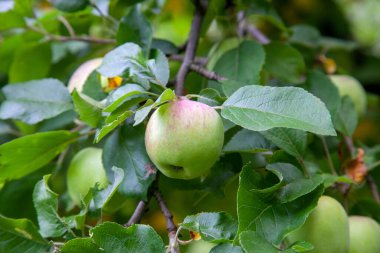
x,y
326,228
85,170
81,74
349,86
184,138
364,235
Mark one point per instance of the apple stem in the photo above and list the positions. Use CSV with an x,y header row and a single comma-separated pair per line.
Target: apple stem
x,y
191,46
329,160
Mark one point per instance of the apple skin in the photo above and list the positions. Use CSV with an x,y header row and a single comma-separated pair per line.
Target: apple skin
x,y
364,235
80,75
326,228
184,138
85,170
349,86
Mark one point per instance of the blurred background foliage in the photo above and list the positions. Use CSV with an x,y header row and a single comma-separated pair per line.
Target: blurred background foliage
x,y
344,34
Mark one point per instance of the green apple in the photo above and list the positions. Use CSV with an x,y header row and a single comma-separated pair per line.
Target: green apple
x,y
364,235
326,228
184,138
349,86
80,75
85,170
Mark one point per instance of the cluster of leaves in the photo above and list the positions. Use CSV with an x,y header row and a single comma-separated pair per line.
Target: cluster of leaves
x,y
279,111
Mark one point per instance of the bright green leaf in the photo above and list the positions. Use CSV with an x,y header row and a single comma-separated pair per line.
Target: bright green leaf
x,y
89,110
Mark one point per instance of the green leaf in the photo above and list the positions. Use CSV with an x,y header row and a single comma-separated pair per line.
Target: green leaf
x,y
261,108
158,65
11,19
46,204
305,35
292,141
213,227
260,211
89,110
102,197
114,238
123,94
128,61
293,183
34,101
134,27
346,118
210,97
226,248
322,87
247,141
243,63
142,113
300,246
24,155
284,62
81,245
112,121
24,7
93,87
253,242
20,235
32,61
125,149
70,5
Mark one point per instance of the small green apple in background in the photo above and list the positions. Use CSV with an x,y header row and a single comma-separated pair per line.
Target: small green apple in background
x,y
349,86
184,138
85,170
326,228
80,75
364,235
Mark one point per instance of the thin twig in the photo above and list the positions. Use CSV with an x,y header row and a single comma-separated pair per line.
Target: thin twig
x,y
206,73
197,60
170,226
106,17
329,160
257,34
72,38
350,145
372,185
191,47
66,23
240,23
137,214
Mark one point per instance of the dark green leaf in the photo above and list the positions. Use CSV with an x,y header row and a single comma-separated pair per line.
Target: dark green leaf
x,y
114,238
346,118
258,209
102,197
322,87
214,227
158,65
89,110
243,64
134,27
81,245
292,141
20,235
305,35
125,149
93,87
46,204
123,94
29,153
11,19
247,141
32,61
284,62
253,242
34,101
226,248
70,5
143,112
261,108
210,97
